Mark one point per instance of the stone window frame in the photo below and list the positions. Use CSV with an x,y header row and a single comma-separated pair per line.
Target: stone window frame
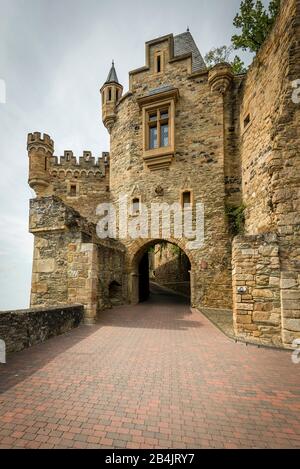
x,y
132,212
159,57
162,155
187,189
69,185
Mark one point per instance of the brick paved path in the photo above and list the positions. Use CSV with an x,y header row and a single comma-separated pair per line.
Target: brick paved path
x,y
151,376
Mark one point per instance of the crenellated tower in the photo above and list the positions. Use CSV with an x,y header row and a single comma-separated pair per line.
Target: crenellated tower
x,y
40,150
111,92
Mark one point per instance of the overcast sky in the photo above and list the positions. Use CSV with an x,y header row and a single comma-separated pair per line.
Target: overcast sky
x,y
54,56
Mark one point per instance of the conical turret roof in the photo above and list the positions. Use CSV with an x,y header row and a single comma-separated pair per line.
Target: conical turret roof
x,y
112,76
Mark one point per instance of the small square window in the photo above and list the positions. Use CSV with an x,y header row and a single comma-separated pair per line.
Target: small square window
x,y
73,190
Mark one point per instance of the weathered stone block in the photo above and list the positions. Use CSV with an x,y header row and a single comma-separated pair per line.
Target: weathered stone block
x,y
262,293
44,265
292,325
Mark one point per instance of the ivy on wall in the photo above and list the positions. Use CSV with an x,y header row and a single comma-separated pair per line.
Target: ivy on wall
x,y
236,218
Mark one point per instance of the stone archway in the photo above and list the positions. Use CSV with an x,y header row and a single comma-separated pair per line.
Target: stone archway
x,y
136,253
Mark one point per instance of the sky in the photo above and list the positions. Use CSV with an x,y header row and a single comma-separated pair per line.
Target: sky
x,y
54,57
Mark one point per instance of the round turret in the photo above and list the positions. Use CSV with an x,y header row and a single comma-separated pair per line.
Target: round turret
x,y
40,150
111,92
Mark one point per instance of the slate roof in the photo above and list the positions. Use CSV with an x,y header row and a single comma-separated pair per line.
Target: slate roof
x,y
183,44
112,76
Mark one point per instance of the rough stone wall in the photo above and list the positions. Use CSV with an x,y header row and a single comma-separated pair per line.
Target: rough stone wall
x,y
232,157
256,288
171,268
70,265
198,165
270,156
24,328
269,142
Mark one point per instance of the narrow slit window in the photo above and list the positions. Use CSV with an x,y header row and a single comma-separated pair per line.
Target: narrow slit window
x,y
186,199
158,64
117,95
135,206
109,94
45,163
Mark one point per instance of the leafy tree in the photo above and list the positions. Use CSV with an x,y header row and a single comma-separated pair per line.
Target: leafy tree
x,y
238,65
223,54
255,23
217,55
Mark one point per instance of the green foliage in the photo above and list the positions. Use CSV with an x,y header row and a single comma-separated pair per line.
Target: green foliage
x,y
176,251
223,54
217,55
236,218
238,66
255,23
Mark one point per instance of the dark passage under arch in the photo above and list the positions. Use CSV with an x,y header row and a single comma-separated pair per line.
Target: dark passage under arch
x,y
164,265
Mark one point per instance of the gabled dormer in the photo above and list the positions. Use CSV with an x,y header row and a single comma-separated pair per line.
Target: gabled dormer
x,y
163,52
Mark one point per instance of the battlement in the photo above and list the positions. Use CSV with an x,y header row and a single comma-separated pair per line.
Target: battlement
x,y
37,139
86,161
86,165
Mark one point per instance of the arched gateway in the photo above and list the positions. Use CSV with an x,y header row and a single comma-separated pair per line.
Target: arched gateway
x,y
139,257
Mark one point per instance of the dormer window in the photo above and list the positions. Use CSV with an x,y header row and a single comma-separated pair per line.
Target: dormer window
x,y
158,62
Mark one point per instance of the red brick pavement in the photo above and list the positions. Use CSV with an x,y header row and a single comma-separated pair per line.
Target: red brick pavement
x,y
150,376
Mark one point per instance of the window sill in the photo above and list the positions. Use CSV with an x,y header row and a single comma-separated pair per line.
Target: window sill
x,y
159,158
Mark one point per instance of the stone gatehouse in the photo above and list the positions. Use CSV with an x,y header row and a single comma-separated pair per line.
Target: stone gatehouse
x,y
184,134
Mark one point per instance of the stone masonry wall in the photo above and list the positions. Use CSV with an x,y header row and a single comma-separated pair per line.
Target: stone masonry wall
x,y
232,157
256,289
90,176
171,268
266,98
71,265
270,156
24,328
198,166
